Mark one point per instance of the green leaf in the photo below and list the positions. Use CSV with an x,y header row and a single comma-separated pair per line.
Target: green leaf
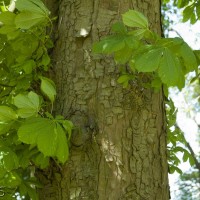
x,y
122,56
68,126
47,135
10,180
28,66
8,159
48,88
188,58
170,70
36,6
27,19
62,148
191,160
41,161
7,114
134,18
45,60
188,12
119,28
148,62
6,29
109,44
7,18
28,105
156,84
185,156
198,10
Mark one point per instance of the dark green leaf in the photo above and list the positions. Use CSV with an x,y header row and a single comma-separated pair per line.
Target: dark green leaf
x,y
188,12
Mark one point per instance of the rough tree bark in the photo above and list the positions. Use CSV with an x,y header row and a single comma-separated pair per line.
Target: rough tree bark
x,y
118,150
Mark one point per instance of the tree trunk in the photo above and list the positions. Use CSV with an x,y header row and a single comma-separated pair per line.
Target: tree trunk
x,y
118,148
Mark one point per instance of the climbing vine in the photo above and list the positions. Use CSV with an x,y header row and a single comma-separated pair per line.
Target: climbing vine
x,y
30,135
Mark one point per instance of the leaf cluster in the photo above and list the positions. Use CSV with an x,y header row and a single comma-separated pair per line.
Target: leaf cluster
x,y
166,60
134,45
29,134
176,141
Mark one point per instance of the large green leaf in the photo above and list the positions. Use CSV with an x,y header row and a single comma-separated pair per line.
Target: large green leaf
x,y
134,18
27,19
28,105
170,70
7,114
7,18
149,61
188,58
48,88
47,135
36,6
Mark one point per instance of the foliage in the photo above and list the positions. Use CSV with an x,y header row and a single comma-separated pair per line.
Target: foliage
x,y
27,96
176,141
165,60
189,184
29,134
191,9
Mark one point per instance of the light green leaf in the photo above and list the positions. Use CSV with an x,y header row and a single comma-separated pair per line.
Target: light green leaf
x,y
149,61
36,6
170,70
7,114
48,88
47,135
7,18
134,18
27,19
28,105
